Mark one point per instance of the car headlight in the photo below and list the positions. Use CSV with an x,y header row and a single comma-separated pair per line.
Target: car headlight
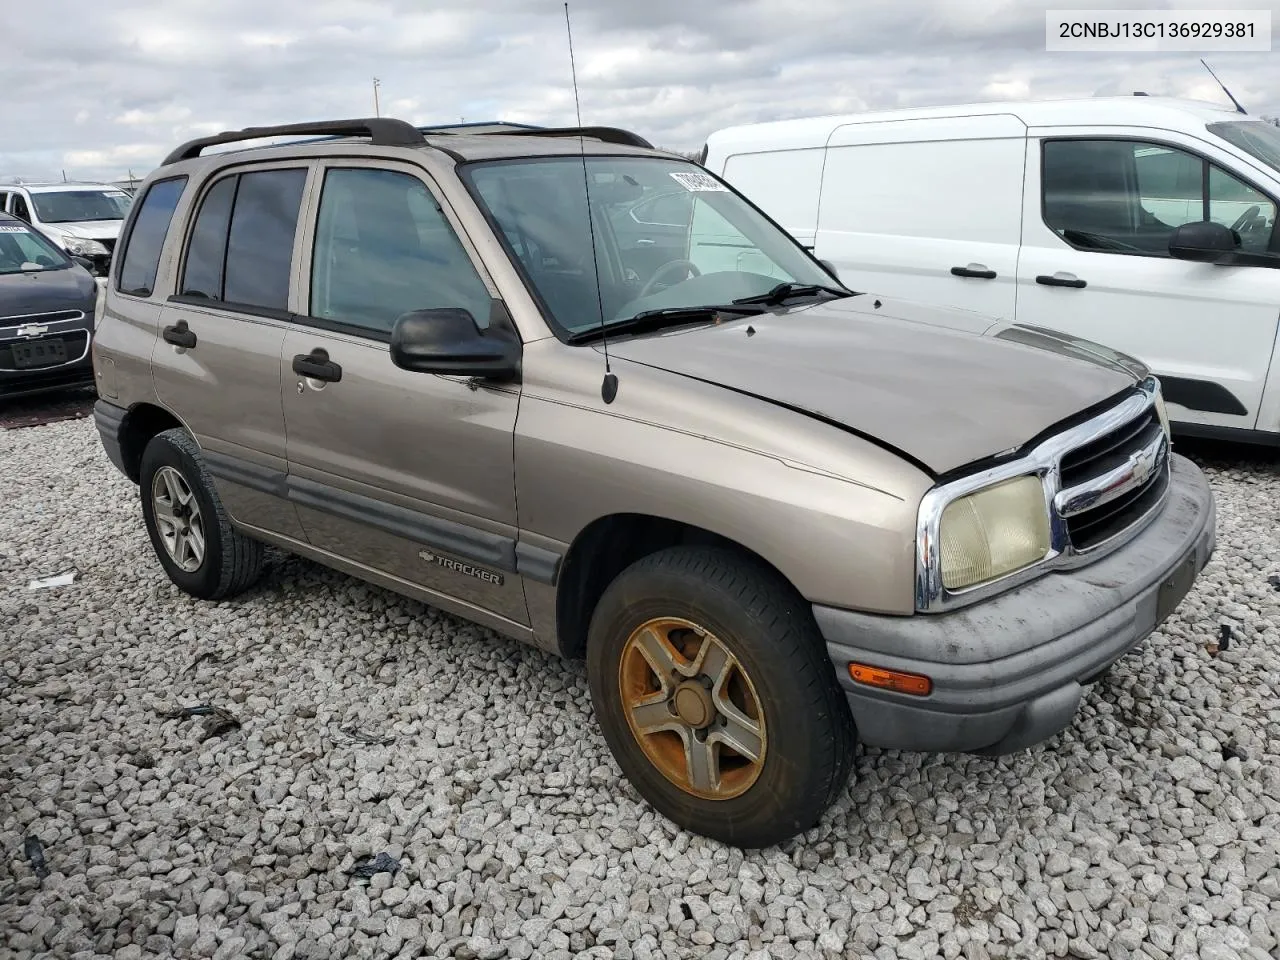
x,y
84,248
1162,413
993,532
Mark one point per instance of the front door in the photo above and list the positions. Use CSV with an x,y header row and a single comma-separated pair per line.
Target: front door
x,y
409,474
216,364
1095,263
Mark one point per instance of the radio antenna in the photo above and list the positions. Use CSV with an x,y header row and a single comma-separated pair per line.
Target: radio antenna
x,y
609,388
1239,109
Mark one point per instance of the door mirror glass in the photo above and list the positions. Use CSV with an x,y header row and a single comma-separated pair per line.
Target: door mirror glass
x,y
448,341
1203,241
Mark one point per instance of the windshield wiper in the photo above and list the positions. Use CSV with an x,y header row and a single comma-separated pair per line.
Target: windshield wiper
x,y
648,320
789,291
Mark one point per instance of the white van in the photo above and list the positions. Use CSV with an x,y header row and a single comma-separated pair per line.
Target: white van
x,y
1094,217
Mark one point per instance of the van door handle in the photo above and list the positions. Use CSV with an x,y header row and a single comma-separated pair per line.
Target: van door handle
x,y
179,335
978,271
645,242
1061,280
316,365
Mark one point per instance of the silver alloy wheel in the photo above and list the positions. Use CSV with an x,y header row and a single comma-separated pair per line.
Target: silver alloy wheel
x,y
178,519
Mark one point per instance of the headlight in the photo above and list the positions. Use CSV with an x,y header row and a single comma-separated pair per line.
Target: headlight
x,y
84,248
1162,413
993,532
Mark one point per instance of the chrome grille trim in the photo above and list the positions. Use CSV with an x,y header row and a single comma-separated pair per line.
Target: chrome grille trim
x,y
1134,474
56,319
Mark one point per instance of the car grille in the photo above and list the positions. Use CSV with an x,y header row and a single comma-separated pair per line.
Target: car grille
x,y
9,326
1113,481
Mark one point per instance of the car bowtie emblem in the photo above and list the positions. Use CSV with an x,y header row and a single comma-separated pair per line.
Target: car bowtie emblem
x,y
1142,464
32,330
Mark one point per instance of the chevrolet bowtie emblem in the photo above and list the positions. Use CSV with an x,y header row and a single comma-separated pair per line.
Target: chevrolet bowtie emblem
x,y
32,330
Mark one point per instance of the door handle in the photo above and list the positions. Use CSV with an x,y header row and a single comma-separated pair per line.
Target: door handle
x,y
644,242
978,271
1061,280
179,335
316,365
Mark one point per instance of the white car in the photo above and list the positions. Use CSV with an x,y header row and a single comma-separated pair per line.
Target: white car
x,y
1145,223
82,218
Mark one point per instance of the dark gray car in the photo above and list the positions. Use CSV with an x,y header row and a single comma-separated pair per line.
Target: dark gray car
x,y
775,518
46,314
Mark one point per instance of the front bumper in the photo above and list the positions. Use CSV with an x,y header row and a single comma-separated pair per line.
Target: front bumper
x,y
1009,672
75,372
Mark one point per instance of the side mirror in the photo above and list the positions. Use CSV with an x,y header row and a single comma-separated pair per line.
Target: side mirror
x,y
447,341
84,262
1203,241
831,268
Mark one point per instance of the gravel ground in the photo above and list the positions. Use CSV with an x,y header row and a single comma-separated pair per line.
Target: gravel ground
x,y
1150,828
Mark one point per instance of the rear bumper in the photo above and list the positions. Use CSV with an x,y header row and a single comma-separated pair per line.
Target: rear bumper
x,y
1009,672
110,419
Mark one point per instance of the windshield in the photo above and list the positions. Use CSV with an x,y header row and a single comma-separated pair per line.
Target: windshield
x,y
667,236
1257,138
22,250
70,206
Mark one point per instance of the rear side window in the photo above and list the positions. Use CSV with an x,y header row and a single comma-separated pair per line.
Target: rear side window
x,y
241,245
149,227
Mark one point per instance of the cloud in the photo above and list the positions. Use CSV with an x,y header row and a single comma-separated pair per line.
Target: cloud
x,y
135,77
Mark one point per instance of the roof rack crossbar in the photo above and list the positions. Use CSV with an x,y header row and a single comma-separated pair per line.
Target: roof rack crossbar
x,y
382,131
605,134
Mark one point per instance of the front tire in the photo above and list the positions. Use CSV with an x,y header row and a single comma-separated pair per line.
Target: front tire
x,y
714,692
189,528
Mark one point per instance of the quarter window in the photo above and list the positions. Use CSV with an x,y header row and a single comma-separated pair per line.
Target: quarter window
x,y
146,236
1125,196
384,248
20,207
241,246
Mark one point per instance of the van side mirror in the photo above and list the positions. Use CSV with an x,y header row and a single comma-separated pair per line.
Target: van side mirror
x,y
447,341
1203,241
831,268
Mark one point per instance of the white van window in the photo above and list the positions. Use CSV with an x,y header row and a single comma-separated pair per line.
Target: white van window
x,y
1126,196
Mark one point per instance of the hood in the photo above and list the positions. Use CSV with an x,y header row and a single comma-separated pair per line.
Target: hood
x,y
46,291
87,229
920,379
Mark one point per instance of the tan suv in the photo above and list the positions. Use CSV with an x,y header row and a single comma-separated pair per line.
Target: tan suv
x,y
774,516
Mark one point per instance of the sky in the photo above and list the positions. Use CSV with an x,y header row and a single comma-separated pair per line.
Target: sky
x,y
98,89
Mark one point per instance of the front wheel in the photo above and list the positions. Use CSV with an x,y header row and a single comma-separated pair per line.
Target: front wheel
x,y
715,694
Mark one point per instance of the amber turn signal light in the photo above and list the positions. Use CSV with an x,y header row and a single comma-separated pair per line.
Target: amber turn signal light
x,y
912,683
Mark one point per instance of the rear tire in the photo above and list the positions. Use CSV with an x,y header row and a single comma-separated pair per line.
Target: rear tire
x,y
189,528
768,688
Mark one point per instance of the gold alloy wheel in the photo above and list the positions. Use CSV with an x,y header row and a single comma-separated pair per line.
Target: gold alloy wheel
x,y
692,708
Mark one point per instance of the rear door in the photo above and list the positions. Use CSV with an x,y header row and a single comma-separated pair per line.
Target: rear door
x,y
407,474
217,362
926,209
1101,205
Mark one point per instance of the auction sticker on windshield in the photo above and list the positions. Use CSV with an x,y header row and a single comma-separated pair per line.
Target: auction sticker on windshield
x,y
699,182
8,229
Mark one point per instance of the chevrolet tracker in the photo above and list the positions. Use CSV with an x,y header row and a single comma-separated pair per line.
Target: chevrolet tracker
x,y
579,390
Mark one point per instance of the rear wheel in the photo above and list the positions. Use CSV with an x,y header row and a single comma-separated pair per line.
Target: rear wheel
x,y
716,696
190,530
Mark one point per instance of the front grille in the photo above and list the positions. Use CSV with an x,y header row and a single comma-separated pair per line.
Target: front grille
x,y
9,326
75,343
1084,470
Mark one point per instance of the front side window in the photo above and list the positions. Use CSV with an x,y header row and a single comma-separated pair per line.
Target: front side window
x,y
1126,196
146,236
692,242
384,248
241,246
20,208
23,250
74,206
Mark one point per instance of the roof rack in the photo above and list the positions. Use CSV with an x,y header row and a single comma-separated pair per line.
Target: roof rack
x,y
382,131
605,134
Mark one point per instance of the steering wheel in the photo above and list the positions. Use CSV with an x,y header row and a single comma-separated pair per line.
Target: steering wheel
x,y
661,274
1246,217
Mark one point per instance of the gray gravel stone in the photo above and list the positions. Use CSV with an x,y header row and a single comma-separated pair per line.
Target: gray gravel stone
x,y
1147,829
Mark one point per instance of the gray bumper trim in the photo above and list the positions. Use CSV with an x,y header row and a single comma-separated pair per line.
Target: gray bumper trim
x,y
1009,672
110,419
